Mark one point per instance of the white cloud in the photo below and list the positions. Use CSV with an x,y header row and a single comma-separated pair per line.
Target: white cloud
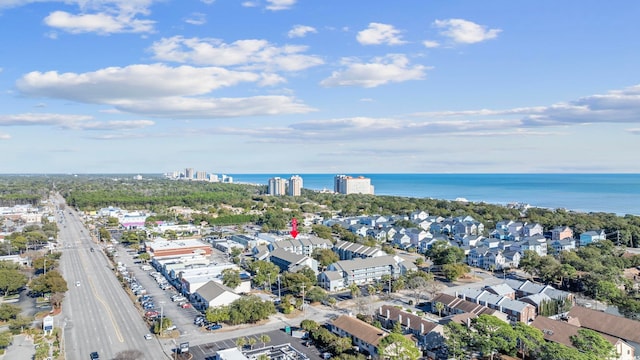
x,y
249,4
101,16
196,19
4,136
431,44
464,31
208,2
247,54
276,5
159,90
70,121
301,31
382,70
213,108
111,85
378,33
100,23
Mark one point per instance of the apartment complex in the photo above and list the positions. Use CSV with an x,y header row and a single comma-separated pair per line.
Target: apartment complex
x,y
295,186
278,186
344,184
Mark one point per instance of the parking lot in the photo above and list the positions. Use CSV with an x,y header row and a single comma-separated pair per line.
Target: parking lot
x,y
207,351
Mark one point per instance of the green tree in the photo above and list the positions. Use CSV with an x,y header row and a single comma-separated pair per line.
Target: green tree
x,y
530,262
251,342
439,307
20,323
264,339
325,257
555,351
5,339
231,278
160,326
144,257
51,282
241,342
316,294
454,271
590,342
9,311
442,252
397,347
264,272
11,280
493,335
530,339
217,314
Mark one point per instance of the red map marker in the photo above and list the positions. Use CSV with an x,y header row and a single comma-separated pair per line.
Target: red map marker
x,y
294,227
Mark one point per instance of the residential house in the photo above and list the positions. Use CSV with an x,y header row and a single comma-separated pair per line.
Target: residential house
x,y
454,305
292,262
401,240
477,256
348,250
515,310
537,244
363,335
331,280
428,333
561,232
418,215
561,332
502,290
471,227
558,246
590,237
532,229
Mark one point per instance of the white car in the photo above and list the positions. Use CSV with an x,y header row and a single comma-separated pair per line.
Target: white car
x,y
77,283
148,336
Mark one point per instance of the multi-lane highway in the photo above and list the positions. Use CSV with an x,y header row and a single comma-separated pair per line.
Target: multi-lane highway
x,y
97,314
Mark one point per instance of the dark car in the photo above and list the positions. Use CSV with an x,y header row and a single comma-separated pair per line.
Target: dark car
x,y
94,355
214,327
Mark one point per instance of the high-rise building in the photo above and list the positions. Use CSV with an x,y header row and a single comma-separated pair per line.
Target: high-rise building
x,y
295,186
201,175
277,186
188,173
343,184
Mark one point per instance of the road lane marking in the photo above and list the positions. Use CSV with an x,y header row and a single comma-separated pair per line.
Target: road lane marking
x,y
106,306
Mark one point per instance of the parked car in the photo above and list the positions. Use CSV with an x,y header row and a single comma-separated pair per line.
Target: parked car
x,y
148,336
214,327
94,355
185,305
171,328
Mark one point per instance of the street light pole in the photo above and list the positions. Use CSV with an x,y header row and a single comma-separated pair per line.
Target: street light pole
x,y
161,316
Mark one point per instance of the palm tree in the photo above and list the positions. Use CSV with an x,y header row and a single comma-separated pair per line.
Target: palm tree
x,y
264,339
439,306
241,342
252,341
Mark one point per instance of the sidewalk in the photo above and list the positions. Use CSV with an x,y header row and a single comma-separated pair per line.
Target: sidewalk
x,y
21,349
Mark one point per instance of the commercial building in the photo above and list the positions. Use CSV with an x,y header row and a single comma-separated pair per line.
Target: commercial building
x,y
343,184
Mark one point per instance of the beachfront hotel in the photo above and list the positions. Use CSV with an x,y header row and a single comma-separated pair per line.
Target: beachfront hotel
x,y
343,184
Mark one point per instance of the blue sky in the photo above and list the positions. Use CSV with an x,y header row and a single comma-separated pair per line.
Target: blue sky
x,y
302,86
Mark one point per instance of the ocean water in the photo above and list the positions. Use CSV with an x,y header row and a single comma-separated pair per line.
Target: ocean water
x,y
611,193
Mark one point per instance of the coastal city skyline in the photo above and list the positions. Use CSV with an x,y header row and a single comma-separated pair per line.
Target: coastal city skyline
x,y
288,86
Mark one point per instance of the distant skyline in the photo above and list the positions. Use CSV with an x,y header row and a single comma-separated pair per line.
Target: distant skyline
x,y
328,87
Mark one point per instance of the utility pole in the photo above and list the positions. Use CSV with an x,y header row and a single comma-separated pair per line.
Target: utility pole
x,y
302,298
279,295
161,317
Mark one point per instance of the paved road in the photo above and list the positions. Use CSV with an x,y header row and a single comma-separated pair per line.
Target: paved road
x,y
97,315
